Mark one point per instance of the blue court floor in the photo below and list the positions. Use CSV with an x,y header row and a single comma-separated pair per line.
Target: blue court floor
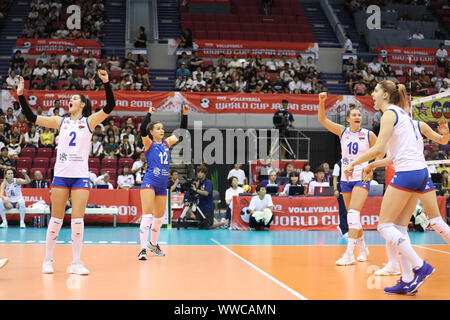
x,y
130,236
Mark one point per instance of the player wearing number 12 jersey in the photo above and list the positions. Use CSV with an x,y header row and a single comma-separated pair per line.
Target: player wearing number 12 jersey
x,y
71,176
154,184
354,142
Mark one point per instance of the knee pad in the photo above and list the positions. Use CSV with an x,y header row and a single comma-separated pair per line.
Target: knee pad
x,y
21,204
353,219
390,233
438,224
157,223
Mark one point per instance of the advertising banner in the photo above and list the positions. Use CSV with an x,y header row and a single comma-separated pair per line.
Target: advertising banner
x,y
59,46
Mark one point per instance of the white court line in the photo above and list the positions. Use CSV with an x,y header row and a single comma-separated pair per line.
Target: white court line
x,y
59,241
2,240
31,241
103,242
295,293
132,242
87,241
115,242
163,242
432,249
42,241
15,241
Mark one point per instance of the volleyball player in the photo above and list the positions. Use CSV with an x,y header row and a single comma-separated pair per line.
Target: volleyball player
x,y
428,199
14,198
71,176
399,134
154,185
354,142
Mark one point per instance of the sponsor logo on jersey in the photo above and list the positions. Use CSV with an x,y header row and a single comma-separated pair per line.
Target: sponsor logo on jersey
x,y
63,157
156,171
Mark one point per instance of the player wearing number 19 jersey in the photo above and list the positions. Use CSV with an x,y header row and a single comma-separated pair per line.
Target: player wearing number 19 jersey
x,y
354,142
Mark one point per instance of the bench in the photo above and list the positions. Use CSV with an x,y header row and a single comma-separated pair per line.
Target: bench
x,y
89,211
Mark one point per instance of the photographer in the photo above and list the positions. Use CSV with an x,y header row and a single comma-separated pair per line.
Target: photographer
x,y
283,120
202,190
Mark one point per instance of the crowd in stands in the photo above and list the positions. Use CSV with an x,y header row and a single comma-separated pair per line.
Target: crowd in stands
x,y
362,77
47,19
252,74
70,72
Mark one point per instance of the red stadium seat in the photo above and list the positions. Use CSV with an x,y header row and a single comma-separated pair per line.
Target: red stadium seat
x,y
212,27
247,27
28,152
52,162
294,28
201,35
297,37
44,153
237,36
27,84
261,36
94,171
213,35
31,62
61,83
199,25
24,163
123,161
291,19
284,37
235,27
94,163
282,28
114,74
225,35
272,36
41,163
109,163
231,18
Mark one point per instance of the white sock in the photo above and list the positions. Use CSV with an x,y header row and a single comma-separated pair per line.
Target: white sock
x,y
77,238
54,226
22,210
351,245
3,211
156,227
146,222
391,234
439,225
392,254
407,272
362,243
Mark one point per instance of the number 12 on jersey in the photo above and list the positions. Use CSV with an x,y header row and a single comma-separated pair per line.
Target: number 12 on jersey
x,y
352,148
164,157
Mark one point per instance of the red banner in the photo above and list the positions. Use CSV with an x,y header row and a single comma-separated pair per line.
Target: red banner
x,y
59,46
310,213
424,55
212,48
305,104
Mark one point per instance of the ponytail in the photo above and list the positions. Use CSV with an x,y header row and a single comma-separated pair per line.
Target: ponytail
x,y
403,101
397,93
87,110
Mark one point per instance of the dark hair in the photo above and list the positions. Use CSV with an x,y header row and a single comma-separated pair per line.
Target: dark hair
x,y
319,169
87,110
306,164
231,179
4,148
259,186
202,169
142,28
173,171
294,174
150,127
397,93
6,171
125,165
350,110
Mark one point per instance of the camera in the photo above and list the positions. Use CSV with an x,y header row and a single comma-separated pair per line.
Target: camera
x,y
188,187
281,120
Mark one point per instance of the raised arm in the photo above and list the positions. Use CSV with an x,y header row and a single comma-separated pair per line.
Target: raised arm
x,y
98,117
27,179
49,122
330,125
143,130
441,138
183,125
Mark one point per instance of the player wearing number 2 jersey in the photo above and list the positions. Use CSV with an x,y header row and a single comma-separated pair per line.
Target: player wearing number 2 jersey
x,y
354,142
71,174
154,184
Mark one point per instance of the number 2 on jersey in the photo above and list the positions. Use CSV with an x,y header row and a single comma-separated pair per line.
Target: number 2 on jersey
x,y
352,148
72,143
164,157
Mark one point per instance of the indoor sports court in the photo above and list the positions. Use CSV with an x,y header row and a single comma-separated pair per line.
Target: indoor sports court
x,y
214,264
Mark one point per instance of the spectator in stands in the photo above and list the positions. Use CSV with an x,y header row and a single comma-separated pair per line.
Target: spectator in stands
x,y
326,168
360,65
199,83
348,45
33,14
437,80
348,64
14,148
10,117
90,69
96,147
126,148
26,72
141,39
260,209
39,182
5,162
444,88
183,71
174,183
111,148
360,88
21,125
31,138
12,80
318,181
103,180
310,63
39,71
272,179
288,168
367,76
298,63
47,138
294,180
184,59
56,104
371,86
18,58
68,57
286,75
392,77
295,85
126,179
418,68
306,176
111,132
238,173
441,56
234,64
418,35
375,66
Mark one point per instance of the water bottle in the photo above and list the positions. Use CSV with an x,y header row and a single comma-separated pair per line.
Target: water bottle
x,y
34,222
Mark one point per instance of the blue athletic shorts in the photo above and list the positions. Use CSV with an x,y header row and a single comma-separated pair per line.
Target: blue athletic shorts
x,y
160,187
71,183
414,180
348,186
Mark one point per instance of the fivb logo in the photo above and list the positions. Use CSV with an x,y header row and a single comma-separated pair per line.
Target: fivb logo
x,y
374,20
74,20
